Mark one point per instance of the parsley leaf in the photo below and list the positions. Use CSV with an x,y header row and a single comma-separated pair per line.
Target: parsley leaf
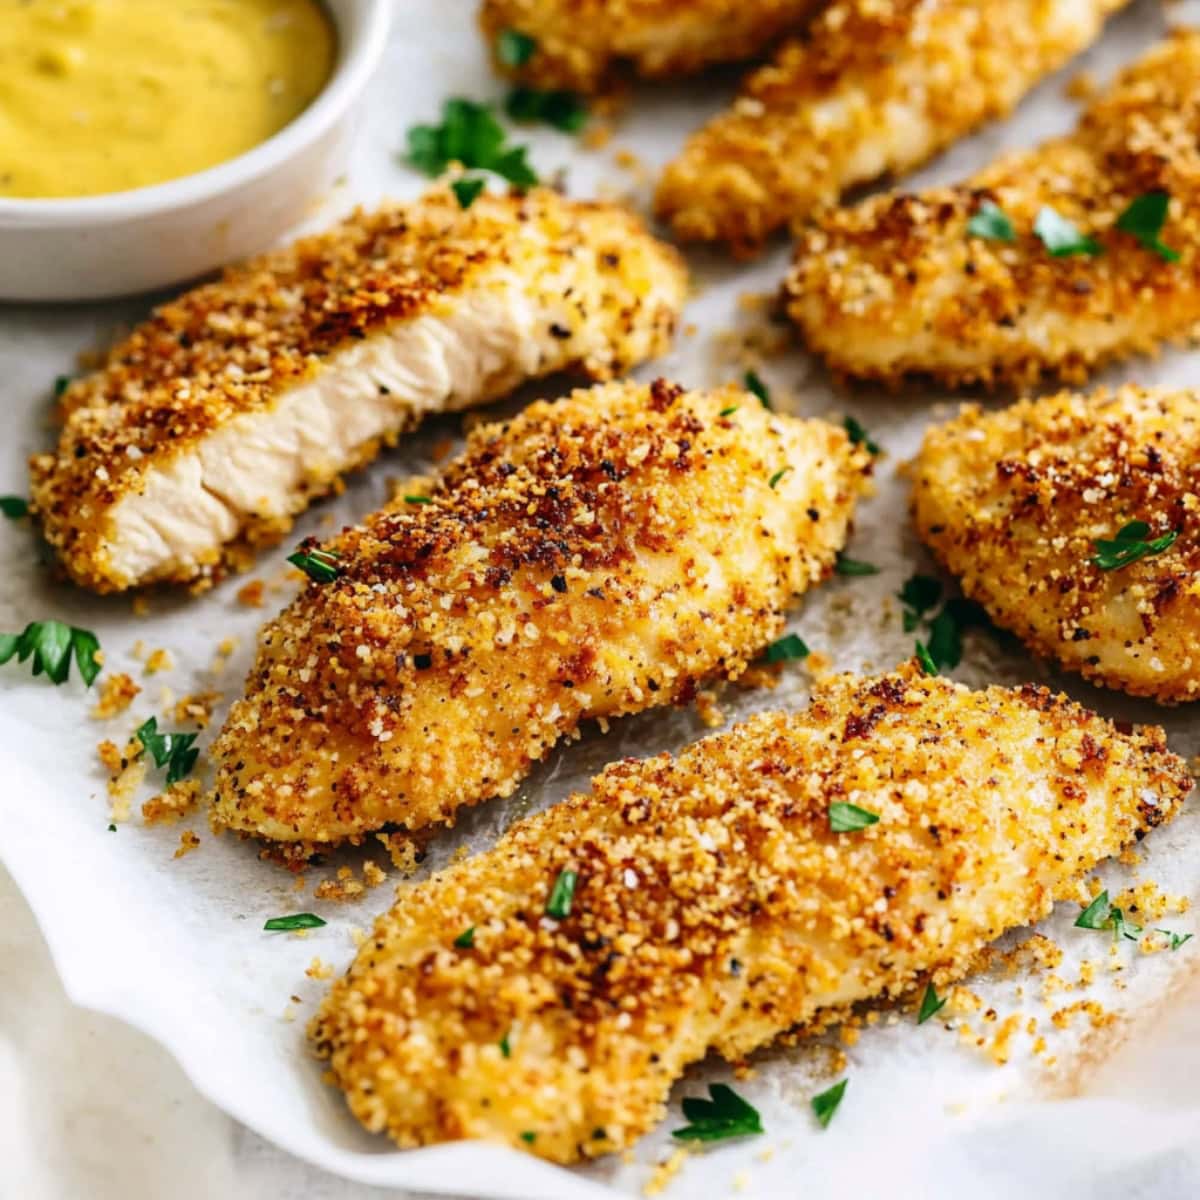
x,y
1061,237
1095,916
51,645
565,111
295,921
755,386
418,499
786,649
466,939
725,1115
860,437
918,595
466,190
528,1136
1177,939
562,895
174,751
852,566
728,412
321,566
931,1004
925,659
849,818
14,507
505,1045
513,48
826,1104
773,482
1129,545
1144,220
61,383
470,135
991,222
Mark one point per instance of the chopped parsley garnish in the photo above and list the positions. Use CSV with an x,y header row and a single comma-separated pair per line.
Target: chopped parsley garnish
x,y
528,1136
931,1004
853,566
728,412
418,499
1177,939
755,386
826,1104
113,829
295,921
1061,237
51,645
565,111
991,222
513,48
924,658
467,190
562,895
505,1047
1100,914
174,751
61,383
1129,545
1144,220
860,437
321,566
466,939
470,135
724,1115
787,649
849,818
773,482
14,507
918,595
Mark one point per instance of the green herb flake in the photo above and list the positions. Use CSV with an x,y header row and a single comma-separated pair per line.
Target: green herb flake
x,y
931,1004
471,136
418,499
14,507
321,566
925,659
528,1136
1144,219
295,921
505,1046
51,644
1061,237
849,818
845,565
61,383
755,386
788,648
113,829
514,48
826,1104
564,111
466,939
728,412
945,640
860,437
466,192
991,222
562,895
1129,545
918,595
773,482
175,751
724,1115
1176,939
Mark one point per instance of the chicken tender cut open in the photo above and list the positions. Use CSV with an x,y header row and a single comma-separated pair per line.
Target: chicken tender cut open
x,y
577,44
228,411
1032,509
591,558
1056,260
877,87
557,985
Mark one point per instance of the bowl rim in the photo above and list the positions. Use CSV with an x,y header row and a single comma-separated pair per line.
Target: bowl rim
x,y
357,59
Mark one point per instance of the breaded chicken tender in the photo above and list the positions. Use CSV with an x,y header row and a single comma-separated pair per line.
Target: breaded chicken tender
x,y
1020,503
591,558
878,86
711,906
577,43
228,411
900,284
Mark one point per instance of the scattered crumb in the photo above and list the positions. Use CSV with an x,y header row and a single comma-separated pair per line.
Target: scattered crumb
x,y
289,1012
598,135
197,707
110,756
405,854
358,935
141,605
741,1181
127,778
755,677
319,970
181,797
251,594
664,1173
709,710
188,842
1080,87
116,694
159,660
339,889
373,874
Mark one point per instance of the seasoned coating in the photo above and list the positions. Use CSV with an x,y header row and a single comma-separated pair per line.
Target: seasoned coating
x,y
591,558
1014,503
896,284
580,42
714,908
228,411
878,86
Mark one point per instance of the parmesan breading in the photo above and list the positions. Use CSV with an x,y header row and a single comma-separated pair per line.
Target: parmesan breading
x,y
598,556
228,411
898,284
715,909
1015,504
878,86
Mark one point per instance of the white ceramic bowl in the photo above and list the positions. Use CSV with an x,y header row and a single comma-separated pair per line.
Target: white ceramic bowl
x,y
125,242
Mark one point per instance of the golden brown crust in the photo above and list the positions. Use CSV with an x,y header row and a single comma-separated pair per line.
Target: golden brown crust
x,y
233,348
1014,502
715,909
590,558
580,42
896,285
878,86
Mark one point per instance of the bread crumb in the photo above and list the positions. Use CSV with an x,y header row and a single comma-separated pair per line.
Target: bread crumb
x,y
188,842
141,605
197,707
319,970
598,135
117,692
251,594
159,660
181,797
373,874
405,854
127,778
110,756
1080,87
664,1173
708,710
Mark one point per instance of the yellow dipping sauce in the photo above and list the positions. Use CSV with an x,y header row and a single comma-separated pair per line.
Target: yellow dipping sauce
x,y
104,95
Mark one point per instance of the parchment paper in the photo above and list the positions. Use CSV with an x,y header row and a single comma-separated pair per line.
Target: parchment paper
x,y
176,947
